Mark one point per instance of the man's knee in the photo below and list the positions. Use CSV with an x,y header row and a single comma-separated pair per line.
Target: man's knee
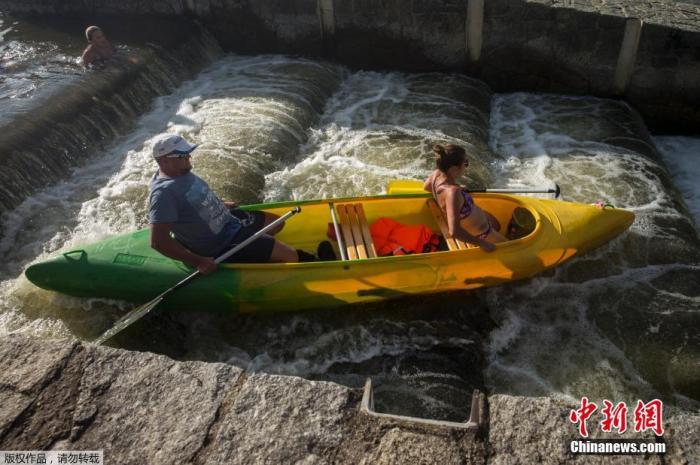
x,y
282,253
269,218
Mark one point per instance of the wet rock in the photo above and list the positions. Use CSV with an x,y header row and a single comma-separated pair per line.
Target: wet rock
x,y
141,408
399,446
146,408
28,365
682,433
280,419
31,385
525,430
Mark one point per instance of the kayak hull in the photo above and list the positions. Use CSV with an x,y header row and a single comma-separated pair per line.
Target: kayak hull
x,y
126,268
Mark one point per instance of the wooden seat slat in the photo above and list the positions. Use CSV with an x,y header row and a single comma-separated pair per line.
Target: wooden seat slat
x,y
452,243
347,231
366,234
355,230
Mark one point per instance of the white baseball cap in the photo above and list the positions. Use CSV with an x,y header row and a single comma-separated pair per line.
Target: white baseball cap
x,y
172,144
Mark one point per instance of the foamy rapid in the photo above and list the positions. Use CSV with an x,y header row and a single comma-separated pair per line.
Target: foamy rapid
x,y
560,334
616,323
109,195
380,127
682,156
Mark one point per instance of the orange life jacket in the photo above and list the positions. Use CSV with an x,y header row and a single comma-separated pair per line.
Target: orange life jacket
x,y
393,238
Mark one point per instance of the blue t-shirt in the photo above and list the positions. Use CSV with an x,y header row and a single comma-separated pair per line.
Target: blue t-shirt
x,y
201,221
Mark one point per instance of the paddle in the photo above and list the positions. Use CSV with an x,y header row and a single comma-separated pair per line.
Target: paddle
x,y
411,186
143,310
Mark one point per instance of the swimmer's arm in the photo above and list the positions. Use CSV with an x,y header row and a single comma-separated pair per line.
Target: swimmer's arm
x,y
88,56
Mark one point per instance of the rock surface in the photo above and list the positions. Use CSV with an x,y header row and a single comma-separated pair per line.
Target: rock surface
x,y
142,408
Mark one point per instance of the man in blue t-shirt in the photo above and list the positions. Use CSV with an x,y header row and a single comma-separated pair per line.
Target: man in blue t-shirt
x,y
191,224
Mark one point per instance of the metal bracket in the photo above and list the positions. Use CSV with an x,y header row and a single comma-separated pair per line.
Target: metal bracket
x,y
473,424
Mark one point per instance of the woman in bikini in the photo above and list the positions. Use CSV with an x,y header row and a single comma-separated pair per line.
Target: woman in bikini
x,y
466,221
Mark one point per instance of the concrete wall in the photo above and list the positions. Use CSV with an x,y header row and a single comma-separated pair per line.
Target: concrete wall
x,y
142,408
563,46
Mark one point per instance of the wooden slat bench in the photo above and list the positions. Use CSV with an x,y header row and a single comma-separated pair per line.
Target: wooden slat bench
x,y
356,234
452,243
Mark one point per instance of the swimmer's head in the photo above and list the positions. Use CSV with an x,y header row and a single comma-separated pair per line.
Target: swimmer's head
x,y
93,33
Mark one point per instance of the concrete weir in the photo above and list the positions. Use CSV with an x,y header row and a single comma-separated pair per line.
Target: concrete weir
x,y
148,409
142,408
643,52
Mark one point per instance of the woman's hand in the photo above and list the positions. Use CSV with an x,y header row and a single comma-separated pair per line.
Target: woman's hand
x,y
487,246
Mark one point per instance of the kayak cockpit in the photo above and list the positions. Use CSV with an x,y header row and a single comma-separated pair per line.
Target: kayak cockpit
x,y
347,222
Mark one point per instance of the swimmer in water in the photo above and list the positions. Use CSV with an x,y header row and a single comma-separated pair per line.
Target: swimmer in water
x,y
99,49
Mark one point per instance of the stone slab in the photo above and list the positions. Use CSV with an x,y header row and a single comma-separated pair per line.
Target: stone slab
x,y
400,446
146,408
526,430
281,419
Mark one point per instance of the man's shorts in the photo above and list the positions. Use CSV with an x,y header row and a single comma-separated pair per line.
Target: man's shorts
x,y
258,251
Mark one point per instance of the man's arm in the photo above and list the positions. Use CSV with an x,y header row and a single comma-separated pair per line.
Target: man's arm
x,y
165,244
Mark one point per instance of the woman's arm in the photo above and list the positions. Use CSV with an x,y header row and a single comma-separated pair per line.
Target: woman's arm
x,y
453,204
428,184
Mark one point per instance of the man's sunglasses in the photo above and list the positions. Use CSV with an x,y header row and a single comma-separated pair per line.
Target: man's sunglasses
x,y
178,154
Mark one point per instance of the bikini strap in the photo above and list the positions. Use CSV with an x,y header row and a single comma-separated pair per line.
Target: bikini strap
x,y
436,191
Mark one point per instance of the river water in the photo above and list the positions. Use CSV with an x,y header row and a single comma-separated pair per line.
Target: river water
x,y
620,323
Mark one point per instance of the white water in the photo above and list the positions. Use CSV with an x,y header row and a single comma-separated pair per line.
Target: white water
x,y
109,195
549,340
380,127
682,156
265,132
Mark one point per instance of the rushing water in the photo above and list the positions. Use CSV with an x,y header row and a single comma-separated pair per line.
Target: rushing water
x,y
623,319
31,62
682,155
620,323
56,115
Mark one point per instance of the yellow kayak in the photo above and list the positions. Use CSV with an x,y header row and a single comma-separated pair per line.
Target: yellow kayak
x,y
125,267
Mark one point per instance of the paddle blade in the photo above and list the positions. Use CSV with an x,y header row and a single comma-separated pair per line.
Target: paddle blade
x,y
405,186
128,319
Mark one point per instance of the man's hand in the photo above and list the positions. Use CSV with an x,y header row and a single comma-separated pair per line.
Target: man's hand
x,y
230,204
206,265
163,243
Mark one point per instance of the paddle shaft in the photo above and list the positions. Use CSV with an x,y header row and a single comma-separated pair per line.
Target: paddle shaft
x,y
233,250
556,191
141,311
411,186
